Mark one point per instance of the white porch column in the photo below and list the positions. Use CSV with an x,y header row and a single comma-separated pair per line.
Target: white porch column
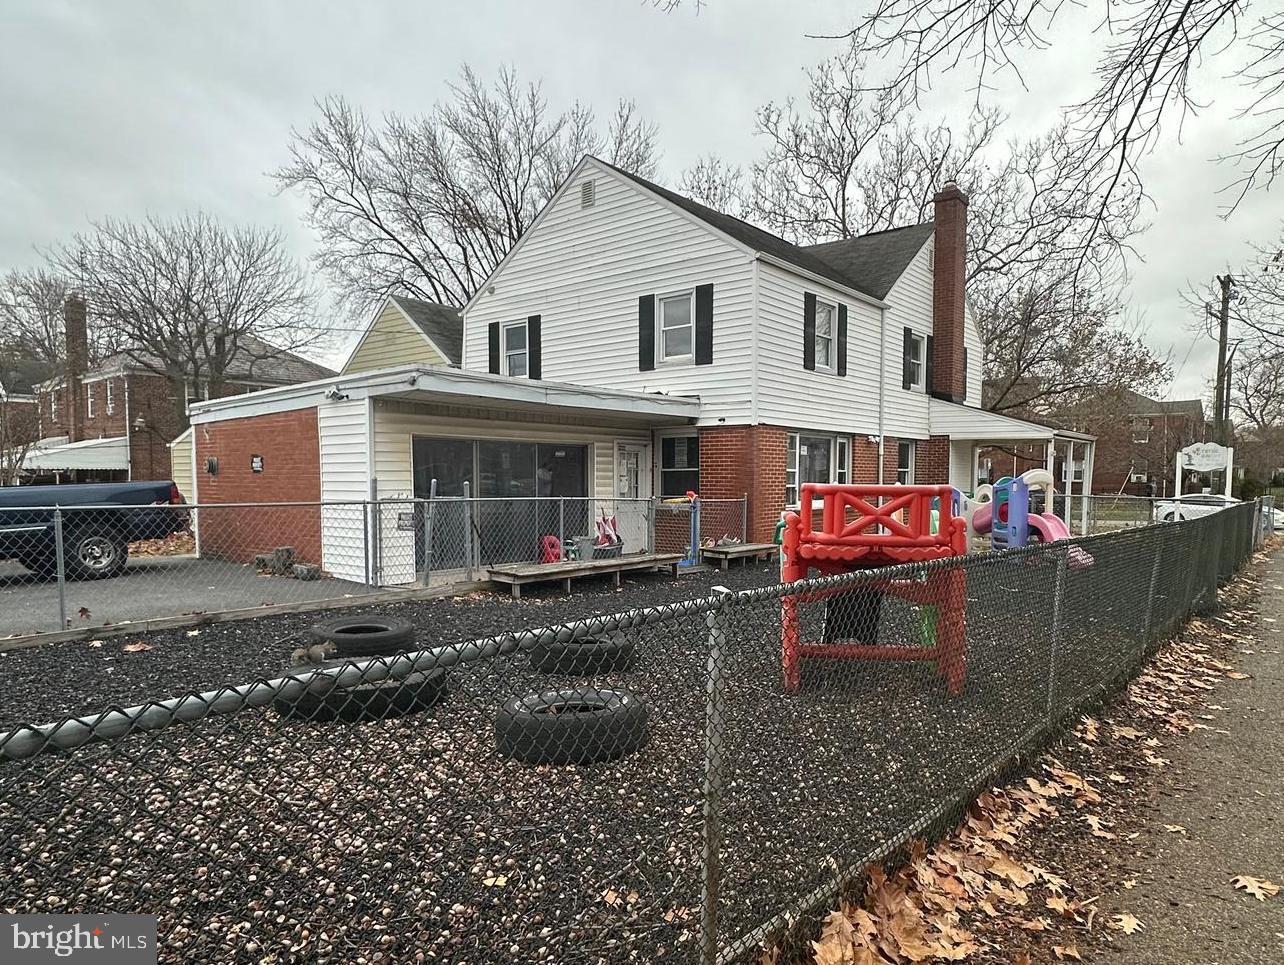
x,y
1051,449
1089,456
1065,510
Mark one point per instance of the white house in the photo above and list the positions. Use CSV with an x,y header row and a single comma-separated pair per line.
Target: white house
x,y
636,343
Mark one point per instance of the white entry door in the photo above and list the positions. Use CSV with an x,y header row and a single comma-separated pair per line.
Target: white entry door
x,y
632,489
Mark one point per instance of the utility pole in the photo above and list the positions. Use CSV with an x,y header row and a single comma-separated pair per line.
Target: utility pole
x,y
1223,389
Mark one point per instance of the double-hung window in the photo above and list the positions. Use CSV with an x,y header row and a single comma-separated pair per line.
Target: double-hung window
x,y
516,349
815,458
825,323
905,463
111,397
916,362
679,465
89,400
675,321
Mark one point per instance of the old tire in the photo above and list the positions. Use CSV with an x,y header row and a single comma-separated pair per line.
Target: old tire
x,y
578,726
365,636
585,656
93,553
382,700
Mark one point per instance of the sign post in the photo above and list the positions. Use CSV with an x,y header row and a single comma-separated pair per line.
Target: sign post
x,y
1206,457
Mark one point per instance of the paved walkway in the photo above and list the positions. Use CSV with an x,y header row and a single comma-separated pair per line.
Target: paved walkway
x,y
1227,791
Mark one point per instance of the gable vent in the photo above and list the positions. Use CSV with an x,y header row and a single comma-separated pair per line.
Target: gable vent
x,y
588,194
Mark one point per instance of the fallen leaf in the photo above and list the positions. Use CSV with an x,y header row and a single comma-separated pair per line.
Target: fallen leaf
x,y
1174,829
1009,869
1126,923
495,881
1236,675
96,644
1098,831
193,633
1129,732
136,647
1066,951
611,897
83,612
1259,888
1130,884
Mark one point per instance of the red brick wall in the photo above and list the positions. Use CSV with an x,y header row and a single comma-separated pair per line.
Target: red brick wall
x,y
740,460
932,461
289,445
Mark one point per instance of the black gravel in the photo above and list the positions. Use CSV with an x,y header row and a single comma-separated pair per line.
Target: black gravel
x,y
261,840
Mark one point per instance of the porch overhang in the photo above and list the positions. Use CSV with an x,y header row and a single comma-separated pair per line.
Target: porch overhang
x,y
968,422
109,453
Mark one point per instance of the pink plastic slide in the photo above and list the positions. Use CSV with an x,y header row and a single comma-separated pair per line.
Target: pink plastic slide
x,y
1048,527
981,518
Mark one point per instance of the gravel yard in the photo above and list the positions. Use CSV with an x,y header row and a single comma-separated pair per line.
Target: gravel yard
x,y
258,839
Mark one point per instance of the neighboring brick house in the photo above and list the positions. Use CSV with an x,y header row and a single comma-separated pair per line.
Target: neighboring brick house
x,y
116,420
1136,449
634,344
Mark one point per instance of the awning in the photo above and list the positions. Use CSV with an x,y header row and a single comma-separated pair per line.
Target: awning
x,y
969,422
109,453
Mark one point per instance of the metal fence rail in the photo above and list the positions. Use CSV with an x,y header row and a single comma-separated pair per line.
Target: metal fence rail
x,y
78,567
638,787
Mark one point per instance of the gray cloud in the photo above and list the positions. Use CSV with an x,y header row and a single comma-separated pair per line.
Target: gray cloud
x,y
132,107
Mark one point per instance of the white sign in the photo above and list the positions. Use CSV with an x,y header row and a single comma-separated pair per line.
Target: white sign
x,y
1204,457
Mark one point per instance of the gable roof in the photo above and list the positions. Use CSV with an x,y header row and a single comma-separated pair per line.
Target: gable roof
x,y
441,324
874,261
1139,404
870,263
255,360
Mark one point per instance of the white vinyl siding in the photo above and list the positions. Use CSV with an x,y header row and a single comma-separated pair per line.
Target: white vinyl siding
x,y
342,427
392,340
909,306
788,394
961,455
975,358
583,270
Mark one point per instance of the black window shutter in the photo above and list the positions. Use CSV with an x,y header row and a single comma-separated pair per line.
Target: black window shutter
x,y
534,351
494,348
965,373
842,340
704,325
927,366
809,331
907,350
646,333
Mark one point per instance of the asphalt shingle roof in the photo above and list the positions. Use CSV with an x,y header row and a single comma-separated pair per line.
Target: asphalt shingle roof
x,y
255,360
441,323
869,263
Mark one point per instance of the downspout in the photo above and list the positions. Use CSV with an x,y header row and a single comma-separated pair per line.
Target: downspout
x,y
882,384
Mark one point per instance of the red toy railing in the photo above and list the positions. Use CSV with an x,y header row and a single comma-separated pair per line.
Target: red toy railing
x,y
854,516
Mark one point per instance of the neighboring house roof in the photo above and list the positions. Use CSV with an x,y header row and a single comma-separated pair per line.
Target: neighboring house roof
x,y
869,264
19,376
254,361
1139,404
442,324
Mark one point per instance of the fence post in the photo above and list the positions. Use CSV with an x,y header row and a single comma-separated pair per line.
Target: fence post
x,y
714,723
650,523
470,526
744,518
365,538
428,511
561,521
1058,600
60,559
1147,629
376,534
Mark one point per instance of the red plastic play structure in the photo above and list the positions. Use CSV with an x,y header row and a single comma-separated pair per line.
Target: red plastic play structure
x,y
866,527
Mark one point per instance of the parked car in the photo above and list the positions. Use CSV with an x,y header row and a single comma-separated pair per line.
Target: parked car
x,y
99,521
1192,506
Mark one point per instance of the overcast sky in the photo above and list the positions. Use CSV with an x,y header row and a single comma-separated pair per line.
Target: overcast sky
x,y
125,108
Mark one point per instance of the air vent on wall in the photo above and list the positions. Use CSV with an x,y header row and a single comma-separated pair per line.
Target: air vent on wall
x,y
588,194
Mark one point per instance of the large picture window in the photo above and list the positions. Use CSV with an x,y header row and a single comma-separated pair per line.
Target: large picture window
x,y
814,458
679,465
497,469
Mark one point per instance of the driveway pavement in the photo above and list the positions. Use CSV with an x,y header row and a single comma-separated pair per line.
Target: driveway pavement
x,y
151,587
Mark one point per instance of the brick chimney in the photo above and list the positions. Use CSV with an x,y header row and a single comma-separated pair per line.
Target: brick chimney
x,y
75,331
949,379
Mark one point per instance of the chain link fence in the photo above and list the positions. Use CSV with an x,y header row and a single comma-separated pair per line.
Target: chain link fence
x,y
74,567
644,786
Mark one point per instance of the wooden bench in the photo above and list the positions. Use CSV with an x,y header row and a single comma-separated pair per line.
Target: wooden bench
x,y
517,574
727,552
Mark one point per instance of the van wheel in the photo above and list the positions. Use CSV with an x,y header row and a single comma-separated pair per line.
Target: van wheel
x,y
94,554
579,726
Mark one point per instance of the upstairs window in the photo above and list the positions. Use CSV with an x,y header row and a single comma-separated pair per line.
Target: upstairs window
x,y
676,326
914,376
1141,431
111,397
195,391
53,403
679,465
516,350
89,401
825,315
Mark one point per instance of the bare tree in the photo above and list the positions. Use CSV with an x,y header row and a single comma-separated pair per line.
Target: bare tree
x,y
717,184
19,431
191,299
31,324
430,204
1148,50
